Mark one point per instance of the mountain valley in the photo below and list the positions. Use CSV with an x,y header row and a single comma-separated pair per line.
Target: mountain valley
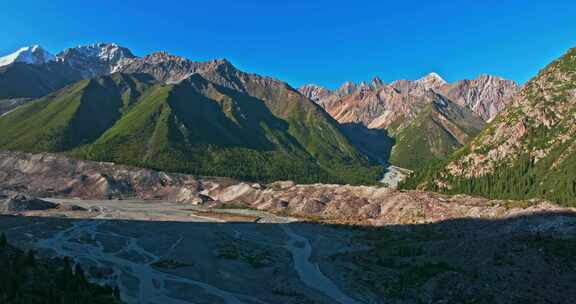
x,y
173,114
450,113
169,180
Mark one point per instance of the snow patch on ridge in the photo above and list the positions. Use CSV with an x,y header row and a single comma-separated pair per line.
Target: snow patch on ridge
x,y
30,55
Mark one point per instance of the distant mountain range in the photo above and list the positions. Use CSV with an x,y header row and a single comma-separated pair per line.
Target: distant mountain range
x,y
427,119
166,112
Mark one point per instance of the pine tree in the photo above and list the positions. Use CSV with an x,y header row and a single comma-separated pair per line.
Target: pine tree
x,y
30,258
117,293
3,241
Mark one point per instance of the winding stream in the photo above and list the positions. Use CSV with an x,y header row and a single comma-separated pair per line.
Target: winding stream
x,y
151,282
310,273
85,242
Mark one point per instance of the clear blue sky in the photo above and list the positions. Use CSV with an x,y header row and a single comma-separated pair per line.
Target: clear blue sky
x,y
325,42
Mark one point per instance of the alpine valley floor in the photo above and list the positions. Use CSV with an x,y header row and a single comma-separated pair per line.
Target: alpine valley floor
x,y
166,252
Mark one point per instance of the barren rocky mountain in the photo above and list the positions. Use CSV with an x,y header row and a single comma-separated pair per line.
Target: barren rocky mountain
x,y
397,107
402,108
372,103
486,95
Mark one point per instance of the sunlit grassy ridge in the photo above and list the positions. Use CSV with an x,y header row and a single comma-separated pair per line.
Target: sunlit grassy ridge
x,y
195,127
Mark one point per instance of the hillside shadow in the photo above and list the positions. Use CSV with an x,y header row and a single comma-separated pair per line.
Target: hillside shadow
x,y
525,259
376,143
224,117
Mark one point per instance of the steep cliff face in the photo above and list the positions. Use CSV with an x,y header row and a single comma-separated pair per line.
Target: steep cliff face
x,y
528,150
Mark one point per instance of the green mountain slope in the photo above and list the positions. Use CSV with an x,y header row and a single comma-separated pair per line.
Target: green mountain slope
x,y
195,126
73,116
440,128
528,151
20,80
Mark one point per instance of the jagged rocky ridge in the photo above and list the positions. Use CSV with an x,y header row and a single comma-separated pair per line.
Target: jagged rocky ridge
x,y
408,112
369,103
54,175
403,107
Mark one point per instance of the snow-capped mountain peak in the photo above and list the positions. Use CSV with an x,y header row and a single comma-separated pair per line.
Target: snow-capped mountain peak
x,y
432,80
433,76
30,55
105,52
98,58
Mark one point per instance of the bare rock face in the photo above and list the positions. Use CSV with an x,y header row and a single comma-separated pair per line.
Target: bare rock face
x,y
106,58
54,175
431,81
542,107
314,92
486,95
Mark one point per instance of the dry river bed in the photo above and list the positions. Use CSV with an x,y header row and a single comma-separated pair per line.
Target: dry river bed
x,y
163,252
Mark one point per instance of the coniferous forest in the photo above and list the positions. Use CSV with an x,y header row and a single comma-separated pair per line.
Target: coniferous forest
x,y
27,279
